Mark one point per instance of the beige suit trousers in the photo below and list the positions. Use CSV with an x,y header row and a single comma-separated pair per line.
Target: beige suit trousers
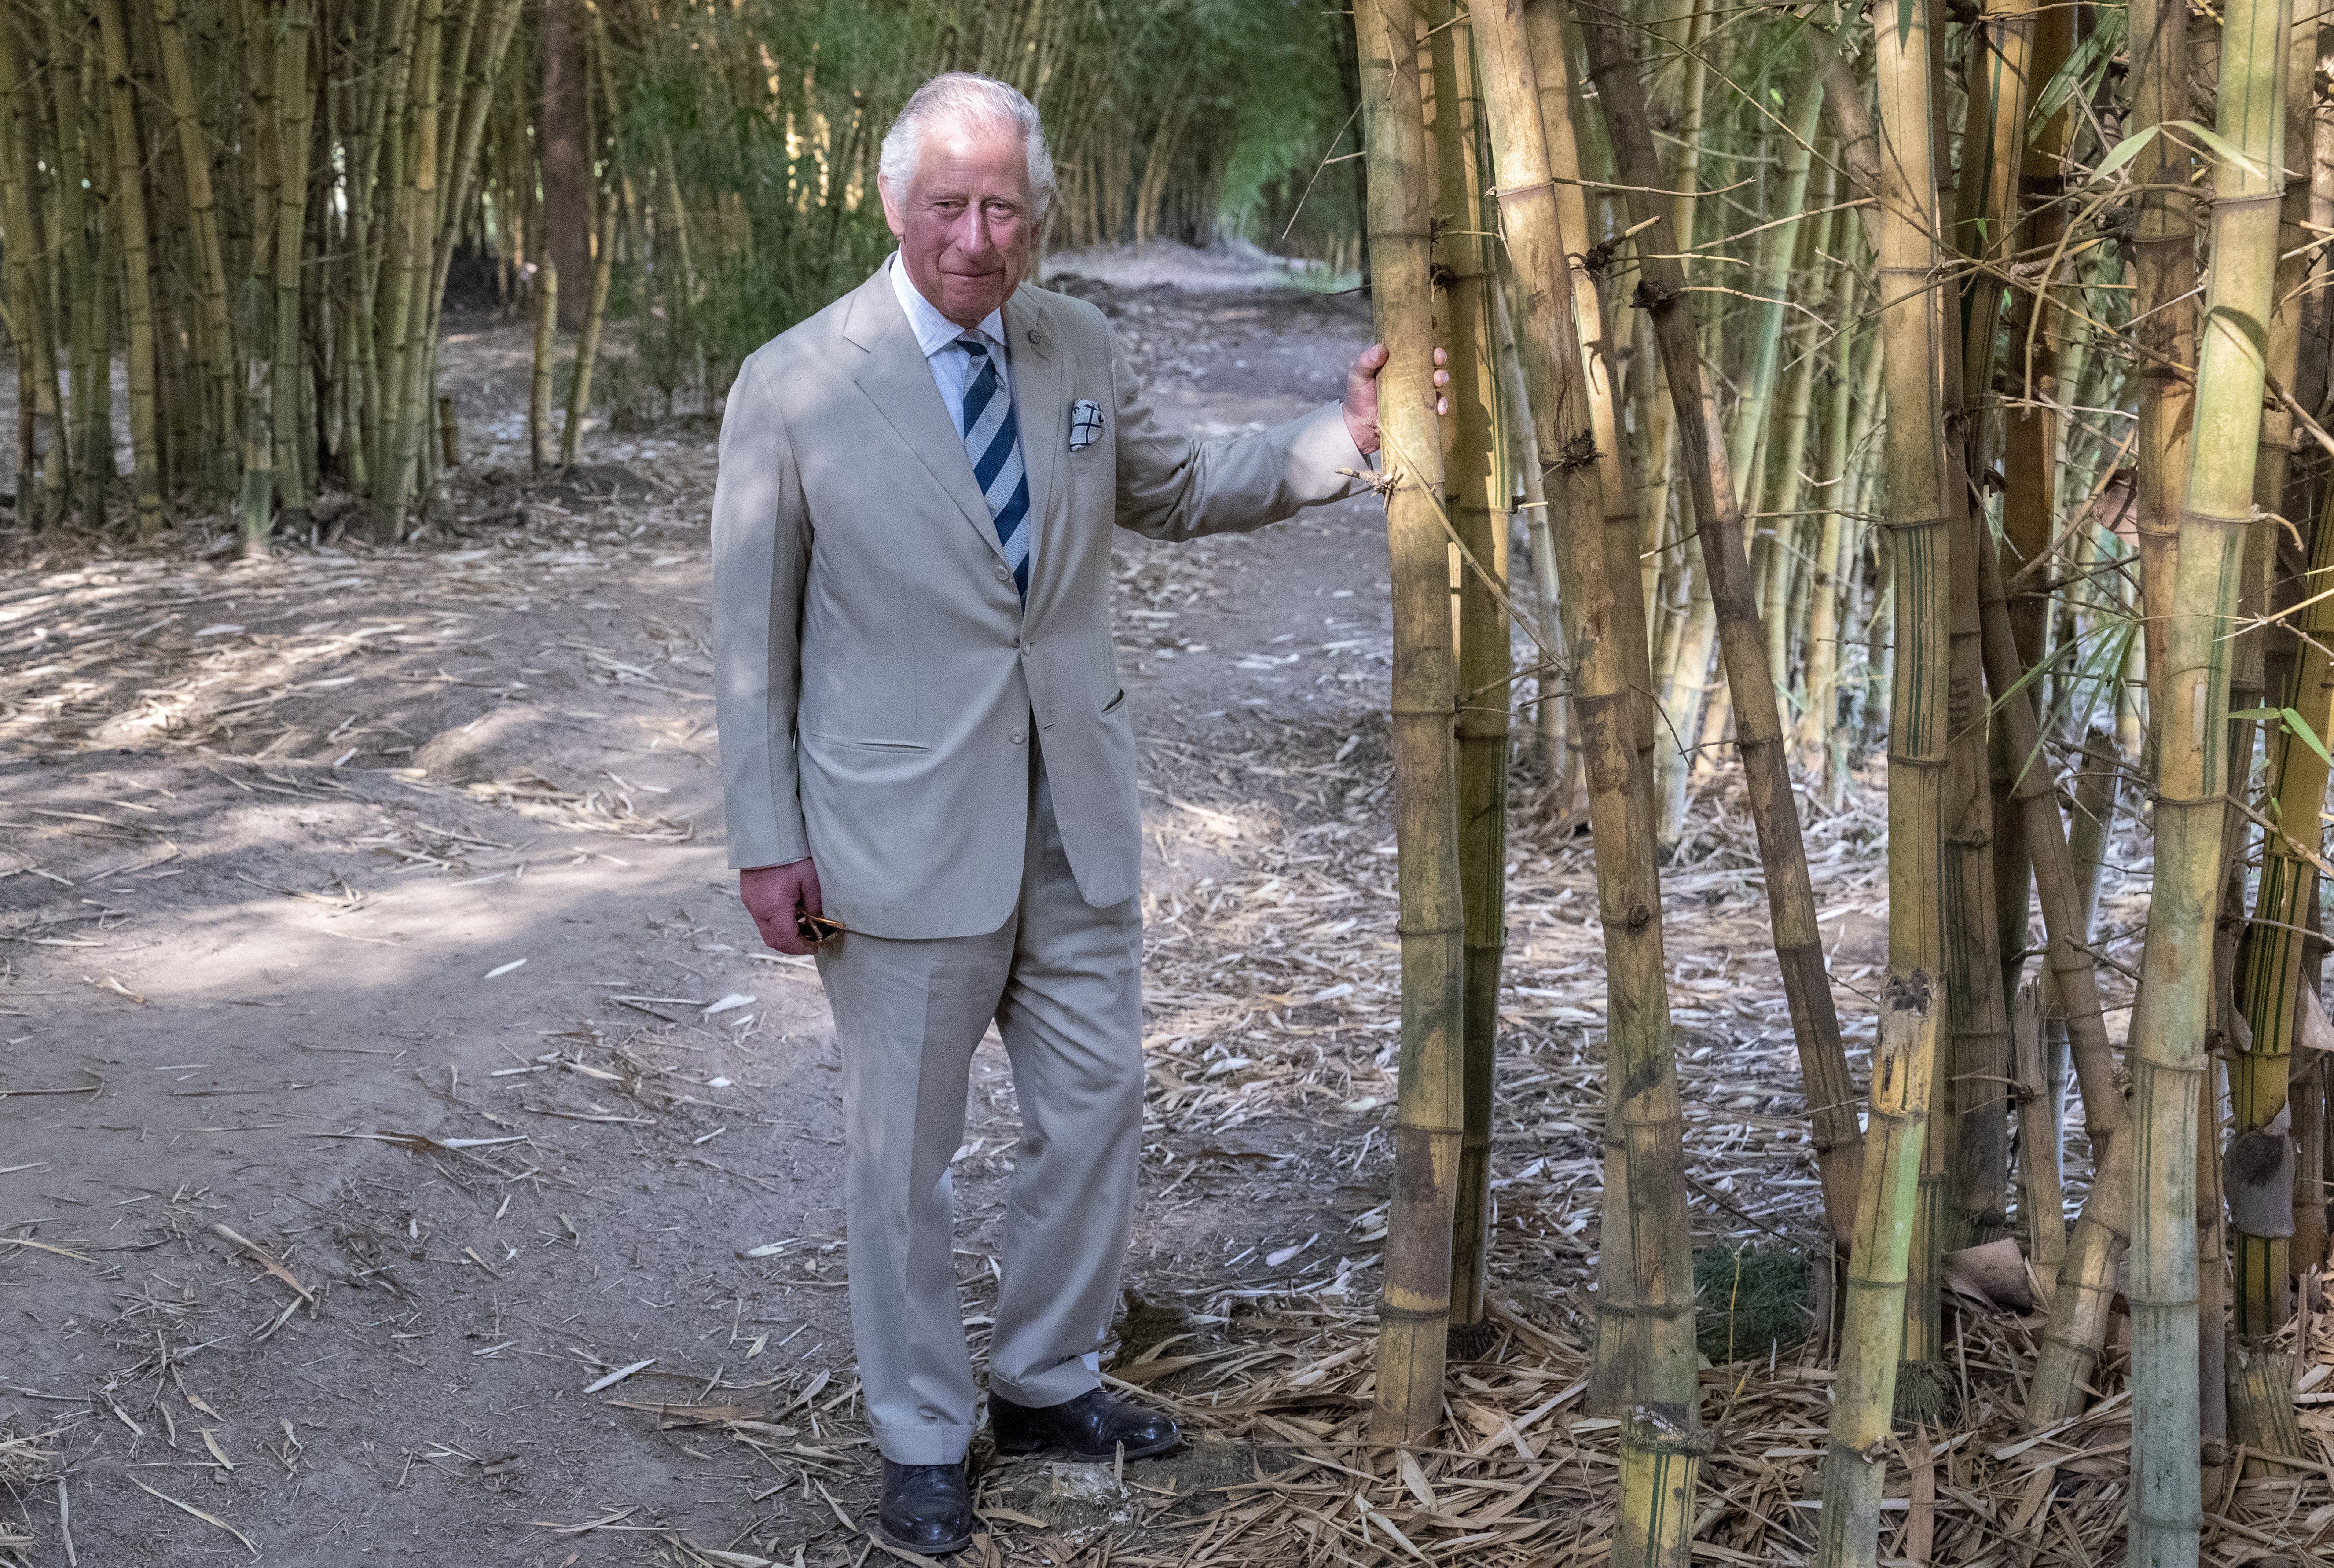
x,y
1061,978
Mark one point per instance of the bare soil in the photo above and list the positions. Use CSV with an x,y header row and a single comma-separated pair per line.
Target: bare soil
x,y
364,924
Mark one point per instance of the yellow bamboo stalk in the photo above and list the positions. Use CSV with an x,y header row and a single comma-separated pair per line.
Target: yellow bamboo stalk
x,y
1646,1359
1415,1312
1475,492
1912,328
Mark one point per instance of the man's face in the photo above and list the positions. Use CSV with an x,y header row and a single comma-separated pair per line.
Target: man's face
x,y
968,221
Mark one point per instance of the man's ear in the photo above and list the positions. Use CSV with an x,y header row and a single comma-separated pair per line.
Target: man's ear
x,y
890,209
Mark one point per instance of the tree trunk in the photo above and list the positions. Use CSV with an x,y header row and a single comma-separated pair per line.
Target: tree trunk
x,y
565,152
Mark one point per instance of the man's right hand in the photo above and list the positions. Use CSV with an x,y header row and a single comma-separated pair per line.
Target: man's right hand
x,y
776,896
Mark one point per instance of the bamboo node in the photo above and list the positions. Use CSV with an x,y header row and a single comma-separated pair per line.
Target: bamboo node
x,y
1580,452
1907,993
1649,298
1670,1429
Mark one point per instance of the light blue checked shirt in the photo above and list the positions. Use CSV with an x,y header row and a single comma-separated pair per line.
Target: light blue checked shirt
x,y
950,366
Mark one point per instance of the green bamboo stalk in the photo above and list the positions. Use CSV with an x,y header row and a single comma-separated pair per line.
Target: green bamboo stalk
x,y
1770,273
1414,1313
1911,321
1819,716
2268,975
2273,966
2190,705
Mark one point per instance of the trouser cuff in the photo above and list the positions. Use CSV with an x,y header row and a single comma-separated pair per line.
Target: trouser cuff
x,y
1057,1386
924,1445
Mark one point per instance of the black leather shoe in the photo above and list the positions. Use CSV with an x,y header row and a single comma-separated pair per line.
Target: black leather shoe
x,y
927,1508
1090,1427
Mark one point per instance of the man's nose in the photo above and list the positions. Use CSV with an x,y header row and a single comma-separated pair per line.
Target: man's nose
x,y
973,236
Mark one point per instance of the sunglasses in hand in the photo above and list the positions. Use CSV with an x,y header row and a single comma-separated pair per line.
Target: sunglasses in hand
x,y
816,929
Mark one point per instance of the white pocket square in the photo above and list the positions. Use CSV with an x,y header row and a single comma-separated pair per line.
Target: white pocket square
x,y
1086,424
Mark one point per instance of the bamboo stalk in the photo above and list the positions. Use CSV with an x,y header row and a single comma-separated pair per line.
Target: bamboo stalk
x,y
1902,168
2190,705
296,103
137,295
1818,718
215,341
546,326
39,447
2164,279
587,342
1414,1313
1759,730
1645,1353
1475,494
1550,48
2042,1195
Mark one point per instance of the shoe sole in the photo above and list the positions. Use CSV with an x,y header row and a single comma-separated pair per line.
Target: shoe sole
x,y
888,1539
1148,1450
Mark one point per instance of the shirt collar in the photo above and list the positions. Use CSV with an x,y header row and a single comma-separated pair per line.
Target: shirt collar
x,y
934,332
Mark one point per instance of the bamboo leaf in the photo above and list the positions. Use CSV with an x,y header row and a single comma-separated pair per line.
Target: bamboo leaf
x,y
2126,150
2227,150
2305,734
2086,67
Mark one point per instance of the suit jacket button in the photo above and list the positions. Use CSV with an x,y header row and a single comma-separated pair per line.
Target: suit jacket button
x,y
1003,576
1018,737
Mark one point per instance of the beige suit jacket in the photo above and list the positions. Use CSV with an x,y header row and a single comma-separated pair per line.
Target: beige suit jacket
x,y
878,680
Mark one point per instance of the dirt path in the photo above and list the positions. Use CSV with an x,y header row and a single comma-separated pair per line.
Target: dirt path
x,y
365,925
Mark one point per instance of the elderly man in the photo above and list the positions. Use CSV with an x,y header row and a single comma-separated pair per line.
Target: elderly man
x,y
930,765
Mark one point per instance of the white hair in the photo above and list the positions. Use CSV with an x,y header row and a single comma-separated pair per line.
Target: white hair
x,y
966,98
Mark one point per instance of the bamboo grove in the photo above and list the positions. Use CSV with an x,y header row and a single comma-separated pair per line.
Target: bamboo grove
x,y
1929,397
1950,380
239,222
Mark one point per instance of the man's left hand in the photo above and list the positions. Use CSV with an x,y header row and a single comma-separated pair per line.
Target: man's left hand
x,y
1362,394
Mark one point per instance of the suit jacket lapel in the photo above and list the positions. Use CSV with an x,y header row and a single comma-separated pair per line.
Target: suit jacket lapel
x,y
1038,379
897,380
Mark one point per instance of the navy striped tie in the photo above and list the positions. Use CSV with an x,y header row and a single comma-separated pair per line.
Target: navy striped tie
x,y
992,440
